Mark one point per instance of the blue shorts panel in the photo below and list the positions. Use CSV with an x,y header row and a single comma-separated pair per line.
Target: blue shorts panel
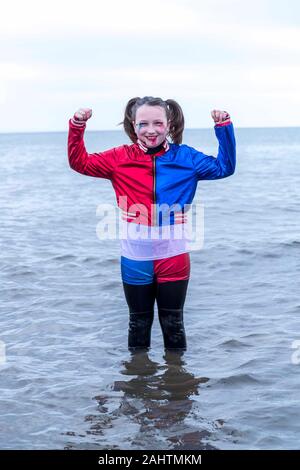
x,y
137,272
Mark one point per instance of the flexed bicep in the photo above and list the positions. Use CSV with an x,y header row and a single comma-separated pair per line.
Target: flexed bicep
x,y
99,165
208,167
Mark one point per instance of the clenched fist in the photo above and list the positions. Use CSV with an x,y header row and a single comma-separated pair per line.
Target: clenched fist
x,y
220,117
83,114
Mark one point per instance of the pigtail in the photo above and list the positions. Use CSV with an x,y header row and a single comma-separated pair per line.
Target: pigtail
x,y
128,118
175,115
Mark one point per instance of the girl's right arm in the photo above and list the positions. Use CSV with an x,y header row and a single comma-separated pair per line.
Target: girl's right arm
x,y
99,165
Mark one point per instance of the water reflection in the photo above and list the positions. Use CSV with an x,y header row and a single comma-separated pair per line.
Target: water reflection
x,y
155,399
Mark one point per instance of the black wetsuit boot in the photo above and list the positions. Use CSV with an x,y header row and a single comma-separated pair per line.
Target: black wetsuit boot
x,y
140,300
170,298
139,331
171,322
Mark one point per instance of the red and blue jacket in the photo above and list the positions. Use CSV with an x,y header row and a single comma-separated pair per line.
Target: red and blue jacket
x,y
169,177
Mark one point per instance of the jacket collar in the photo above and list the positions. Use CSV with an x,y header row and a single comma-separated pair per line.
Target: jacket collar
x,y
144,148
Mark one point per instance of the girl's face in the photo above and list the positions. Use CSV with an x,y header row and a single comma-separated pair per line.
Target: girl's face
x,y
151,125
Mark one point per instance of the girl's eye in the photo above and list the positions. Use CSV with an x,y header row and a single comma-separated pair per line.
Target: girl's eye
x,y
143,124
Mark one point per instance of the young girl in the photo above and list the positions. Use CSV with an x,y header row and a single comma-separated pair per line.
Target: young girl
x,y
151,172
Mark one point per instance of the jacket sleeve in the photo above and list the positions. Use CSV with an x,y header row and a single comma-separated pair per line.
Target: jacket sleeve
x,y
211,168
100,165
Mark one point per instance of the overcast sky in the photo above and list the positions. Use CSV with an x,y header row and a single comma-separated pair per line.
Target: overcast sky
x,y
57,56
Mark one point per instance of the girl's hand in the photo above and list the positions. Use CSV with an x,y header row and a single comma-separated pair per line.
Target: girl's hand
x,y
220,117
83,114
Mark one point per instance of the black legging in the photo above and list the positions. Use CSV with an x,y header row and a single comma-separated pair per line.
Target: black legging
x,y
170,298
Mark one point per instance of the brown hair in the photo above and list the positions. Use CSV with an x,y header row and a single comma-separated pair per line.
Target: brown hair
x,y
173,111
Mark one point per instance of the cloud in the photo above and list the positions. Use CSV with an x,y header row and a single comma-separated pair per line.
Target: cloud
x,y
93,16
65,54
15,71
232,22
169,77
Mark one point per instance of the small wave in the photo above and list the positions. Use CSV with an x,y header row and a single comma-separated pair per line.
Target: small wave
x,y
245,251
63,257
270,442
261,284
241,262
255,335
286,244
233,343
271,255
252,362
292,243
22,272
107,261
239,379
90,259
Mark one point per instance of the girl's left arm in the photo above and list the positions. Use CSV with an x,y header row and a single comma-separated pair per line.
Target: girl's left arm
x,y
210,168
